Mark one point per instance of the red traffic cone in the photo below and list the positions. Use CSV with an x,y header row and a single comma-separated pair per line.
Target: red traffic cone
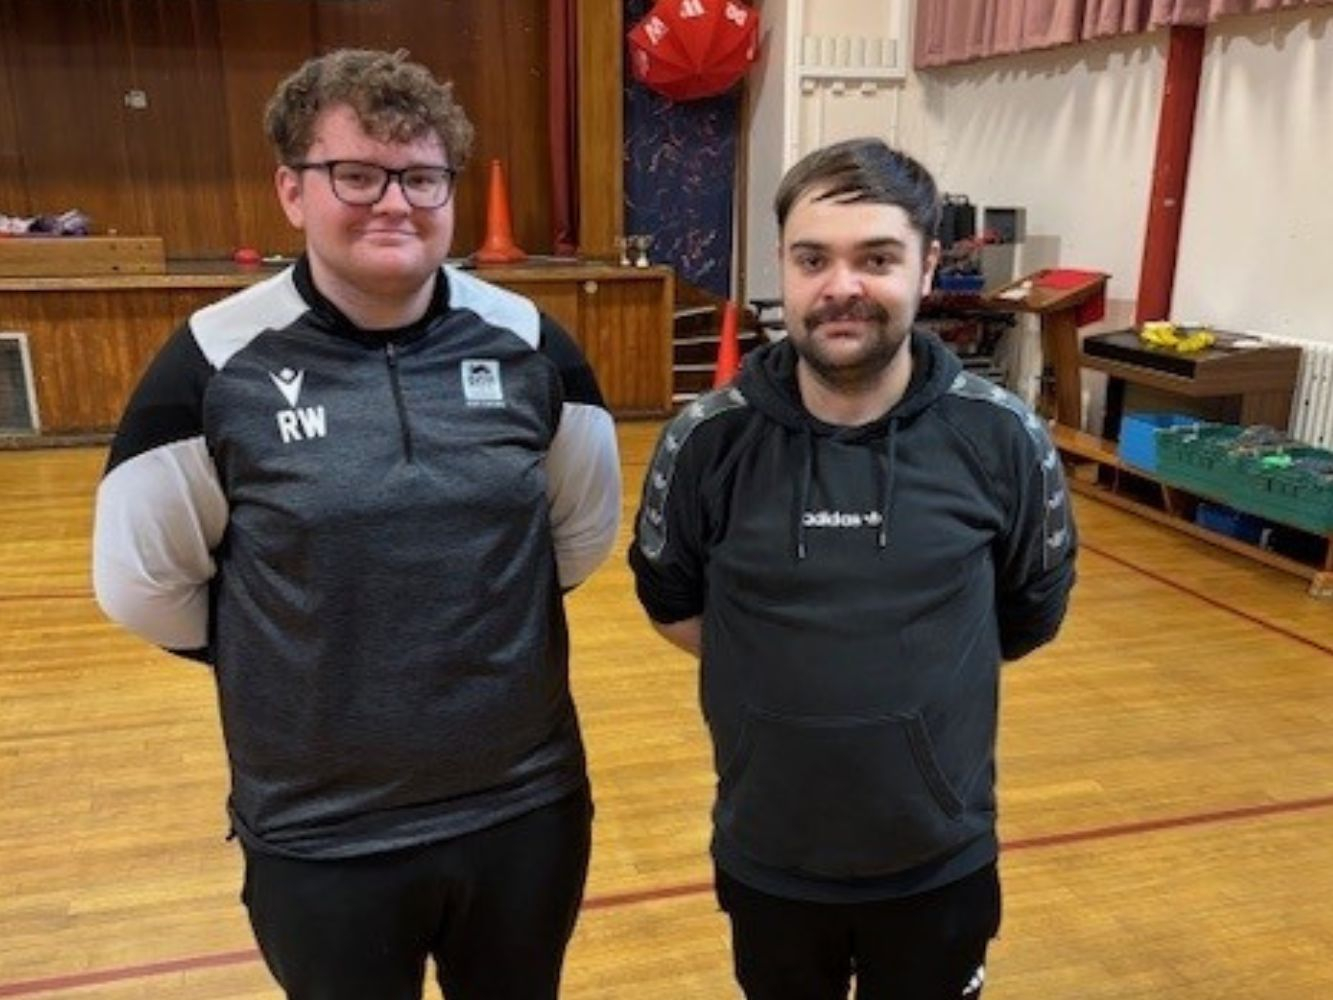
x,y
728,347
499,246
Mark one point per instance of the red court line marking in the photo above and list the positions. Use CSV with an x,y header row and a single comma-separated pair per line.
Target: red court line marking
x,y
1169,823
618,899
1209,599
97,977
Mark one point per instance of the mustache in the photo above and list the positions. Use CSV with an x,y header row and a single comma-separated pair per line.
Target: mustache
x,y
859,311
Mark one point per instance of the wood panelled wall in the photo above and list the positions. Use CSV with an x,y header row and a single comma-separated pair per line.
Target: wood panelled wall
x,y
193,166
601,125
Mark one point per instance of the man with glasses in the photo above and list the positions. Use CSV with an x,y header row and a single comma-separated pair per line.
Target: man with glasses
x,y
365,184
359,490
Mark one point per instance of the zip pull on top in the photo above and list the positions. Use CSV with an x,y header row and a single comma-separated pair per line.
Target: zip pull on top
x,y
391,357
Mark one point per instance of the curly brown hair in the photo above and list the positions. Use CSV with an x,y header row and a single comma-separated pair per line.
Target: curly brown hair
x,y
394,99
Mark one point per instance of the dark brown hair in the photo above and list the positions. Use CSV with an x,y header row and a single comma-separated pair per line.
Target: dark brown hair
x,y
395,101
864,170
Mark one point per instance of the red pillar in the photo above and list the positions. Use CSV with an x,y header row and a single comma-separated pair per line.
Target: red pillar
x,y
1175,134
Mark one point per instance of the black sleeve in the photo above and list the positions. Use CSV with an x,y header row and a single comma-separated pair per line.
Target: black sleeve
x,y
576,375
667,554
1036,555
167,404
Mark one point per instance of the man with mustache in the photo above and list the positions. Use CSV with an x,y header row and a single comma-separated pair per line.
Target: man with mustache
x,y
852,538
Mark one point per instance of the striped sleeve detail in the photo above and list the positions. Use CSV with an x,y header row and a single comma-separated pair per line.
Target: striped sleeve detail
x,y
1057,519
652,526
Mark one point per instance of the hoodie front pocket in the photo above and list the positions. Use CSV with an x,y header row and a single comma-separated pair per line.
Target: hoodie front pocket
x,y
839,797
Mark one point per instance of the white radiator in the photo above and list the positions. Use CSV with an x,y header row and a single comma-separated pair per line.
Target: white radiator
x,y
1312,403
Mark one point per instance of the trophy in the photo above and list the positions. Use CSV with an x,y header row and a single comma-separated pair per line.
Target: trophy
x,y
640,245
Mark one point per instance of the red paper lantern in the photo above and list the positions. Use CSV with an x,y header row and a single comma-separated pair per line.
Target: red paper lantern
x,y
685,49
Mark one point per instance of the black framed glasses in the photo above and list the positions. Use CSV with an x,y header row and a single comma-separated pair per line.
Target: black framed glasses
x,y
364,184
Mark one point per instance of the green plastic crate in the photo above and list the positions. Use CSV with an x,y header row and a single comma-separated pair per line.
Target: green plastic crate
x,y
1198,457
1297,496
1208,459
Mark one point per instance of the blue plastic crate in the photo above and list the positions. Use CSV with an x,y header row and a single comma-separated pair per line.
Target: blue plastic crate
x,y
1236,524
1138,436
959,282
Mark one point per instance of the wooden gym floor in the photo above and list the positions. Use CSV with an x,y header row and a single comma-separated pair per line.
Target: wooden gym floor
x,y
1166,783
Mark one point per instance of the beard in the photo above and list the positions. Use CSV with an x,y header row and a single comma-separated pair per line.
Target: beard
x,y
883,339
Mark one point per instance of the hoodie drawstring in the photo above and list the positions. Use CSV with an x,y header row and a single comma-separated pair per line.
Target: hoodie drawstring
x,y
887,468
886,464
803,493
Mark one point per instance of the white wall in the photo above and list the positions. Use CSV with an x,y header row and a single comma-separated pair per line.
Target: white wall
x,y
830,70
1070,135
1257,237
765,158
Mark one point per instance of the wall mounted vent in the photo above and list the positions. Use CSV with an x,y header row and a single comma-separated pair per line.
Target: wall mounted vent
x,y
18,397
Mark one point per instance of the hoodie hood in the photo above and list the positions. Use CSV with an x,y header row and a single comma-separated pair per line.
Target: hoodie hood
x,y
768,382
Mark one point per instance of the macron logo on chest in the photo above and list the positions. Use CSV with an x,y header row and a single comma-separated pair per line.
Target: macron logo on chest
x,y
297,422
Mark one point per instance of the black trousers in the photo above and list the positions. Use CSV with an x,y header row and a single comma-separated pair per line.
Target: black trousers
x,y
930,946
495,909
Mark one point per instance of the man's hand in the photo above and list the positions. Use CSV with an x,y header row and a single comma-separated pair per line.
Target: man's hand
x,y
686,635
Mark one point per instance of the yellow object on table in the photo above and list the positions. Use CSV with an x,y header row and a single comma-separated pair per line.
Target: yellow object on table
x,y
1181,339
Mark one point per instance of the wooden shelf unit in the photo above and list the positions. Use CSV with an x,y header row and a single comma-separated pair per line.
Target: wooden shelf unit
x,y
1087,453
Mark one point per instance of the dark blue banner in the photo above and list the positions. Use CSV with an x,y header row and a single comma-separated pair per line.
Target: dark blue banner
x,y
680,169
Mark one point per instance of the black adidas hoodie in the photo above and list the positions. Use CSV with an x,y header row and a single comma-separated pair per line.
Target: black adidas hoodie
x,y
859,587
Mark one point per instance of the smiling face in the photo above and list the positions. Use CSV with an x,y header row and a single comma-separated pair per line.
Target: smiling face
x,y
853,274
386,252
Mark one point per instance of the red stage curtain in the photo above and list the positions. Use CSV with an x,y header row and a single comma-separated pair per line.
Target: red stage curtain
x,y
561,101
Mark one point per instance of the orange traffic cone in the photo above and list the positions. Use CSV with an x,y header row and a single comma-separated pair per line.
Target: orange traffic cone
x,y
499,247
728,347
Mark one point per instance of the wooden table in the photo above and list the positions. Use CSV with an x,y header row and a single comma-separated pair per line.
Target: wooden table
x,y
1257,381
